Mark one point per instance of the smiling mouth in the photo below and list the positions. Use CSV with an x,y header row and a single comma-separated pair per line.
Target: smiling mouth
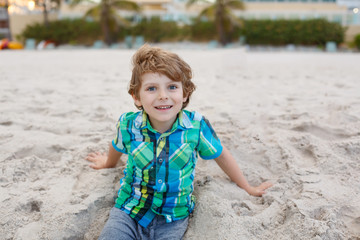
x,y
163,107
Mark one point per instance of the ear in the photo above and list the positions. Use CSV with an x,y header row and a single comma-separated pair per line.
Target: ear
x,y
185,98
136,101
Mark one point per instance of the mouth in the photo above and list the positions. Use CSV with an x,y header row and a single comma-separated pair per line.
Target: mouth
x,y
163,107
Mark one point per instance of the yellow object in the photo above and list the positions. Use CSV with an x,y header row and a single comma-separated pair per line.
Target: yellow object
x,y
6,44
15,45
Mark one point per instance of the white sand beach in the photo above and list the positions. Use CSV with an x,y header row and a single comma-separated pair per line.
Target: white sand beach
x,y
290,118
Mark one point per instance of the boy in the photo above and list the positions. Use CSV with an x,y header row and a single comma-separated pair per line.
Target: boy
x,y
162,140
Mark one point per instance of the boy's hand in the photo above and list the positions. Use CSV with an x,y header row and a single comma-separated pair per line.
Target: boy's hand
x,y
259,190
98,160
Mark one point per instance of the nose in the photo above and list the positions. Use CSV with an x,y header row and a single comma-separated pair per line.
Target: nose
x,y
163,94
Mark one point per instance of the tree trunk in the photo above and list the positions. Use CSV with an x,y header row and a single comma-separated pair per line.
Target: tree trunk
x,y
46,15
219,21
105,23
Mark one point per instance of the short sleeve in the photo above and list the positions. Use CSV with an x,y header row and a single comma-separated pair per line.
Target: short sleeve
x,y
118,142
209,144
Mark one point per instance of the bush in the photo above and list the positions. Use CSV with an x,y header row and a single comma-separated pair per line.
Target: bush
x,y
281,32
202,30
357,41
155,30
64,31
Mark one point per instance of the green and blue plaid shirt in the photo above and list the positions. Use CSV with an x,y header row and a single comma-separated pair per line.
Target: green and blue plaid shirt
x,y
160,170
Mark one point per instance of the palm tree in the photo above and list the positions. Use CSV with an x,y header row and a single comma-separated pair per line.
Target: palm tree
x,y
221,13
106,13
47,5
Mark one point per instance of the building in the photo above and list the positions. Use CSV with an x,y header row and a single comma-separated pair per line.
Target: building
x,y
4,24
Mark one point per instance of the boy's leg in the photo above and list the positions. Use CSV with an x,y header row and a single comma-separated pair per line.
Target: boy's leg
x,y
170,231
119,226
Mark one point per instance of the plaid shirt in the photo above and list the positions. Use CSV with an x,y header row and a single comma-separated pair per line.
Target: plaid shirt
x,y
160,169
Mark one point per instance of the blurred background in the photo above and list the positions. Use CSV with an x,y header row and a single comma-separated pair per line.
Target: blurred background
x,y
323,24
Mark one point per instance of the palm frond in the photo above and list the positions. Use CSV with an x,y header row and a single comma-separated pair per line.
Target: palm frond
x,y
208,12
235,4
94,12
234,20
126,5
121,21
73,3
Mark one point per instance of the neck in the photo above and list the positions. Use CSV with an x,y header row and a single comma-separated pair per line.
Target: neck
x,y
160,127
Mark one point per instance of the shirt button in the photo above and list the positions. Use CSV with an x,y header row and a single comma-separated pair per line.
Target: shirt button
x,y
160,181
160,160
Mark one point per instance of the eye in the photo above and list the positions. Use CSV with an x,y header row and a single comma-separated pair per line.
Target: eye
x,y
173,87
150,89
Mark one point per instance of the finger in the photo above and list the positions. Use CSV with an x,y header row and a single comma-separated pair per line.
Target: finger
x,y
91,158
259,193
266,185
94,166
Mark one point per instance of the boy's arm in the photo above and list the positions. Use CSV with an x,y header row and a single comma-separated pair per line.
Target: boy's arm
x,y
103,160
228,164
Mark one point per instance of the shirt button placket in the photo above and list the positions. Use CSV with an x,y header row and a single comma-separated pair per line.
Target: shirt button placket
x,y
160,160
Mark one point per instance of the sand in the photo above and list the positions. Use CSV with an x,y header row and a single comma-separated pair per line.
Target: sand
x,y
290,118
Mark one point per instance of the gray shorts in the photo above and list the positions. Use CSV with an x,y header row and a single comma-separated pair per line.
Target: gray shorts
x,y
121,226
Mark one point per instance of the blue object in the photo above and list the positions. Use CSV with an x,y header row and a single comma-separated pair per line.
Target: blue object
x,y
128,41
139,41
98,44
115,46
290,47
331,47
50,46
212,44
30,44
242,40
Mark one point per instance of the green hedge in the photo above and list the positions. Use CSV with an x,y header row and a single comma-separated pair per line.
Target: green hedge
x,y
281,32
257,32
74,31
357,41
202,31
155,30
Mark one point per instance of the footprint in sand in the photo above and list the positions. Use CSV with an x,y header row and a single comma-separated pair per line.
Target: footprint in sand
x,y
30,206
244,208
323,133
305,152
6,123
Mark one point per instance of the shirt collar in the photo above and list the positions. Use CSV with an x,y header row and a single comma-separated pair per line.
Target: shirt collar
x,y
182,121
141,120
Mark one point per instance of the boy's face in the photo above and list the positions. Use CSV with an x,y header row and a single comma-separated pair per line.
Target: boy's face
x,y
161,98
